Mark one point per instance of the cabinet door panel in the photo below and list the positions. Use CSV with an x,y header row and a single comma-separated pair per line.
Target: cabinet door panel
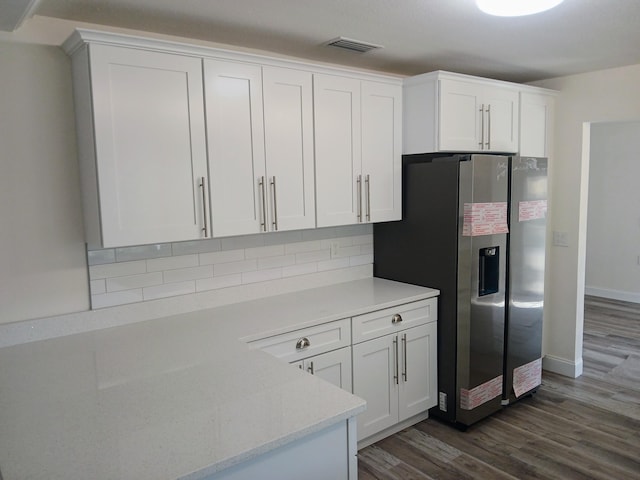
x,y
536,114
235,140
338,149
374,368
382,151
418,385
288,123
502,120
334,367
460,116
150,145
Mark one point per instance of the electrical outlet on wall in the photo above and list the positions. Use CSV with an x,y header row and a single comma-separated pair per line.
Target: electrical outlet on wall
x,y
560,239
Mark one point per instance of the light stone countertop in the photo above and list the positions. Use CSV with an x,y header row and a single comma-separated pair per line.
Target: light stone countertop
x,y
178,397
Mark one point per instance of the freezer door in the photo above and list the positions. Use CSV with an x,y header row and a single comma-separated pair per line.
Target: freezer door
x,y
482,252
528,207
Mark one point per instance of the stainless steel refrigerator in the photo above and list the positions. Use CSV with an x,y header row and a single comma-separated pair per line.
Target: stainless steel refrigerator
x,y
474,227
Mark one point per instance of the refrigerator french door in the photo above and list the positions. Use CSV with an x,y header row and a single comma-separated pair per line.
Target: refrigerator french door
x,y
525,288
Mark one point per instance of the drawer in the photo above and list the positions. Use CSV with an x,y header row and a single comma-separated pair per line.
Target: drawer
x,y
376,324
319,339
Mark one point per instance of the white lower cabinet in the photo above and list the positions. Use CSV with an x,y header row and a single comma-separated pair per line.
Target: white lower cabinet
x,y
395,372
334,367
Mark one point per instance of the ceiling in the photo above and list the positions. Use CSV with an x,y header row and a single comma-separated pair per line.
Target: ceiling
x,y
417,35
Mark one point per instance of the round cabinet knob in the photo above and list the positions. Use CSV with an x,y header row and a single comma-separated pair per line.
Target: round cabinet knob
x,y
302,343
397,318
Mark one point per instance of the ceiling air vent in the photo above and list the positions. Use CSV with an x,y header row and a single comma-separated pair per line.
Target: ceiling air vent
x,y
352,45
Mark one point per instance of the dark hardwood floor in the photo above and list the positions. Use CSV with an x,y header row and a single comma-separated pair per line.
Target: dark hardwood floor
x,y
583,428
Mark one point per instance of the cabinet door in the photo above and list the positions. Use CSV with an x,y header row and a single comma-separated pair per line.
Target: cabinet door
x,y
235,142
536,116
338,151
334,367
501,119
375,379
460,116
381,151
150,145
418,383
288,130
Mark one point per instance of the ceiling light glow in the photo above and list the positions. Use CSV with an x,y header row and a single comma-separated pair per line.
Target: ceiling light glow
x,y
516,8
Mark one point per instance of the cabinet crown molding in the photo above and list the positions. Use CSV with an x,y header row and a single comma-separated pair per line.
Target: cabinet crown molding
x,y
82,36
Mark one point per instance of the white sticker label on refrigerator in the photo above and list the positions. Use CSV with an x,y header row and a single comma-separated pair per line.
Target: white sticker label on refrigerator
x,y
532,210
484,219
470,399
527,377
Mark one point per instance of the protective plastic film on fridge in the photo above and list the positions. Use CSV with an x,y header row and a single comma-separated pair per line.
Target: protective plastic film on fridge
x,y
459,234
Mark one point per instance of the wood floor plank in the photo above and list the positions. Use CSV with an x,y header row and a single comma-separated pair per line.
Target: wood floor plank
x,y
583,428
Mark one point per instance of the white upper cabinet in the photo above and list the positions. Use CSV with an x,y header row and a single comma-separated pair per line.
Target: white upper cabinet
x,y
382,151
235,134
358,150
536,123
458,113
288,131
260,140
142,147
338,150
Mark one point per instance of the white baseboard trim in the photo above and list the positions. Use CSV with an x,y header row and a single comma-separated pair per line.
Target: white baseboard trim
x,y
562,366
613,294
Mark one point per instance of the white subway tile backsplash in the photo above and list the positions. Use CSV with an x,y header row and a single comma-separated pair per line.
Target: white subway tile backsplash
x,y
333,264
273,262
129,282
281,238
235,267
261,275
184,274
135,274
221,257
170,263
245,241
196,246
260,252
117,269
169,290
316,256
143,252
100,257
363,239
98,286
301,247
218,282
361,259
116,298
300,269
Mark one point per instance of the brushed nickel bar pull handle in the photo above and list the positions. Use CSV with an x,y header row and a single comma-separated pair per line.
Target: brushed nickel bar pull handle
x,y
488,143
263,224
395,353
481,143
310,369
404,349
368,189
359,183
205,227
275,204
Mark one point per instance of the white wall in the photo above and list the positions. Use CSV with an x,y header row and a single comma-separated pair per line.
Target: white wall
x,y
602,96
42,255
613,220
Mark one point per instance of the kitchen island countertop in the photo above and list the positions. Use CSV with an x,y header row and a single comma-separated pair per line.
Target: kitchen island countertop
x,y
182,396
